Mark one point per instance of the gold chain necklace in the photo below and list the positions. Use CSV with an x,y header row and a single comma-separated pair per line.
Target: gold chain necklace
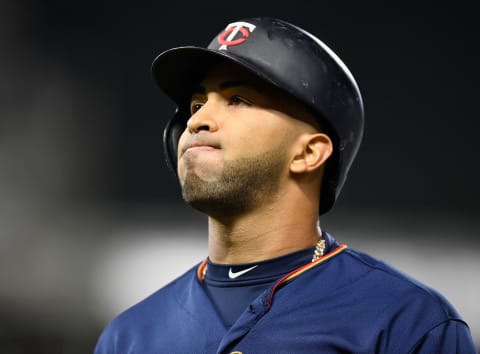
x,y
319,249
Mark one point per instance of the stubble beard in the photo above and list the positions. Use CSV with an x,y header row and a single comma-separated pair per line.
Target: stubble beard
x,y
242,186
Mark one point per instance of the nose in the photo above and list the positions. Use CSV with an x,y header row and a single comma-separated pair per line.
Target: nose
x,y
203,119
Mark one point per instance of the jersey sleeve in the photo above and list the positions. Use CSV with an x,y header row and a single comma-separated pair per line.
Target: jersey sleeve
x,y
106,343
450,337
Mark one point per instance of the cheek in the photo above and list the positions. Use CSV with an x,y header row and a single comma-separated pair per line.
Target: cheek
x,y
181,142
181,171
180,164
246,141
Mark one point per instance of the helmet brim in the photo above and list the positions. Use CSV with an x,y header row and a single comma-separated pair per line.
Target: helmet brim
x,y
178,71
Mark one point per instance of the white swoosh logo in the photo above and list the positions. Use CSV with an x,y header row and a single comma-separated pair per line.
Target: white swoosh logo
x,y
233,275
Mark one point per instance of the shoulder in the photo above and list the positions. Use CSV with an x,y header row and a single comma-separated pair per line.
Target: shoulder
x,y
385,308
402,307
142,318
158,302
355,303
386,276
380,277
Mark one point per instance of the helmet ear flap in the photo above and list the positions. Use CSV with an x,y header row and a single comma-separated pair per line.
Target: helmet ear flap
x,y
171,136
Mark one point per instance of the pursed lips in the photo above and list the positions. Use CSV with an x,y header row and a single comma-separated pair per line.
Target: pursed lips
x,y
200,148
200,145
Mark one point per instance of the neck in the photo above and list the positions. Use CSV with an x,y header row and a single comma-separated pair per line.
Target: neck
x,y
261,234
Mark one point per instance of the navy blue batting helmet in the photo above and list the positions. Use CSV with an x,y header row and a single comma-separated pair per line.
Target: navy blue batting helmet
x,y
287,57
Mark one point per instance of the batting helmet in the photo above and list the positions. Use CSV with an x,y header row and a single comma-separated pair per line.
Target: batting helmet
x,y
287,57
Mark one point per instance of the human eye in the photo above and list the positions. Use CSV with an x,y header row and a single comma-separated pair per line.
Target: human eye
x,y
195,106
236,100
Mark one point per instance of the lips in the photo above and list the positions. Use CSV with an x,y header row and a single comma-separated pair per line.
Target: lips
x,y
196,143
200,148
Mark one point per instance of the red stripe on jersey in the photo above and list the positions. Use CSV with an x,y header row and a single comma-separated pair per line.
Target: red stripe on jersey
x,y
201,270
295,273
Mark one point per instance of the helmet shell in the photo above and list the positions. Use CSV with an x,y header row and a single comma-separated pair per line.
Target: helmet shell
x,y
287,57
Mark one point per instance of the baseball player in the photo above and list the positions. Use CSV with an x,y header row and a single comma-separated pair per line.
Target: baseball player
x,y
268,123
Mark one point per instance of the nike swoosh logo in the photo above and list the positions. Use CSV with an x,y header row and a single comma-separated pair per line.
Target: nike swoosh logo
x,y
234,275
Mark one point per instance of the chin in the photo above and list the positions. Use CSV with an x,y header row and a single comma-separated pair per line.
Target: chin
x,y
204,168
214,197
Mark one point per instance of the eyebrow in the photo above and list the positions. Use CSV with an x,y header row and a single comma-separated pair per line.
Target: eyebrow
x,y
201,90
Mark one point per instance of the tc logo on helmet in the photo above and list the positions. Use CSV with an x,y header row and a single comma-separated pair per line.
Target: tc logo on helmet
x,y
227,37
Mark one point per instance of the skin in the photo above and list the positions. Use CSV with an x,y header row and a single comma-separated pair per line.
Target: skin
x,y
252,159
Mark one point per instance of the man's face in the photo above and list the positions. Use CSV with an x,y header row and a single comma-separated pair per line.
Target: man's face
x,y
235,151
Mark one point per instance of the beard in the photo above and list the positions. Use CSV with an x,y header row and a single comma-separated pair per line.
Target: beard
x,y
241,186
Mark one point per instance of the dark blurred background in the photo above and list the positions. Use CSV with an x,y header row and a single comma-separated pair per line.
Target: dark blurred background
x,y
91,220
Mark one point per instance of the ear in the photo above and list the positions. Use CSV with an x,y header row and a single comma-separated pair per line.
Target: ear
x,y
312,152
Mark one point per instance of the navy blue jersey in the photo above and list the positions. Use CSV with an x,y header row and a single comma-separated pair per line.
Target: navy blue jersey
x,y
345,302
233,287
